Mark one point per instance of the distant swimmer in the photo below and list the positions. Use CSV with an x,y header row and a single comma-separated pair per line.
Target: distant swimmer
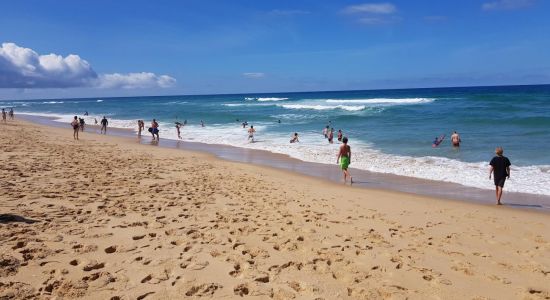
x,y
340,134
438,141
76,125
86,113
154,129
178,126
500,166
455,139
294,138
11,114
104,124
331,136
3,115
279,121
344,159
251,132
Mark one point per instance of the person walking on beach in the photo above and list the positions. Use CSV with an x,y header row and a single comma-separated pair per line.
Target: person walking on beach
x,y
344,159
3,115
154,129
251,132
11,114
81,121
76,125
104,124
500,166
294,138
455,139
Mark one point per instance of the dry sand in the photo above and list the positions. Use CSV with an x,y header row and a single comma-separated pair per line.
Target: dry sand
x,y
107,218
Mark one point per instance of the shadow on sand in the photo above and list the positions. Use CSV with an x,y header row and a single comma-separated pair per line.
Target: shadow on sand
x,y
9,218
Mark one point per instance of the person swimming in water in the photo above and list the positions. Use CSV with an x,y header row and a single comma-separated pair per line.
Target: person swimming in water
x,y
294,138
344,159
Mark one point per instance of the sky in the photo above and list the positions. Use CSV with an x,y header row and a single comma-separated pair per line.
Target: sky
x,y
63,49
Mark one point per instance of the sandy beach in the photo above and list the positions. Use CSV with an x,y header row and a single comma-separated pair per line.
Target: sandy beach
x,y
109,218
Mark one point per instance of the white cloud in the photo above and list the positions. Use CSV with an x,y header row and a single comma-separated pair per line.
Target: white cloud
x,y
135,80
507,4
254,75
372,8
24,68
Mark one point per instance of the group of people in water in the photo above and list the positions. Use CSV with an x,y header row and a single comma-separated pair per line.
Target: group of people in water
x,y
499,170
6,114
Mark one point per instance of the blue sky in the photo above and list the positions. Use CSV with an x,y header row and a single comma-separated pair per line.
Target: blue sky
x,y
206,47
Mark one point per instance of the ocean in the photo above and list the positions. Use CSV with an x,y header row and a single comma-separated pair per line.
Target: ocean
x,y
390,131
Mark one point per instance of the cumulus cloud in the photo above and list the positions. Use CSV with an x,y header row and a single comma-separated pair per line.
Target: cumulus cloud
x,y
507,4
135,80
254,75
372,8
24,68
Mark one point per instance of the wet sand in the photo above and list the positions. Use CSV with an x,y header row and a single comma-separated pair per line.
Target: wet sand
x,y
108,218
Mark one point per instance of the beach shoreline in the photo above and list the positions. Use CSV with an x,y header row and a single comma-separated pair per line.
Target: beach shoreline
x,y
107,217
363,179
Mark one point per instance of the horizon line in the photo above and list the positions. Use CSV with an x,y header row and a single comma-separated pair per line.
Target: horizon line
x,y
287,92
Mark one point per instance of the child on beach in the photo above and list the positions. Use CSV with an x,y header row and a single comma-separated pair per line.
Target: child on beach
x,y
344,159
75,124
500,166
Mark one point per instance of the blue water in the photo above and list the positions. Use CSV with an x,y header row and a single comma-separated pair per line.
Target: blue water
x,y
390,131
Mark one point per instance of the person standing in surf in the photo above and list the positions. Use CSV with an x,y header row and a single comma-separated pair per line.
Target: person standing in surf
x,y
344,159
104,124
178,126
455,139
251,132
3,115
154,129
500,166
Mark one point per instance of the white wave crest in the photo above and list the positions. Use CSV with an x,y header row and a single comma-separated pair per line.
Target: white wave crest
x,y
323,107
99,100
52,102
395,101
265,99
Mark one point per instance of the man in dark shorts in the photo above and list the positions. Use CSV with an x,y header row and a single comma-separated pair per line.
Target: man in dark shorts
x,y
104,124
500,166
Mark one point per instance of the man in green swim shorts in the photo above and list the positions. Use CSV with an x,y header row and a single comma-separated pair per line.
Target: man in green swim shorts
x,y
344,159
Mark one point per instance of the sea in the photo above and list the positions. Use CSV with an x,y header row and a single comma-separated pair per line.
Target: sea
x,y
389,131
